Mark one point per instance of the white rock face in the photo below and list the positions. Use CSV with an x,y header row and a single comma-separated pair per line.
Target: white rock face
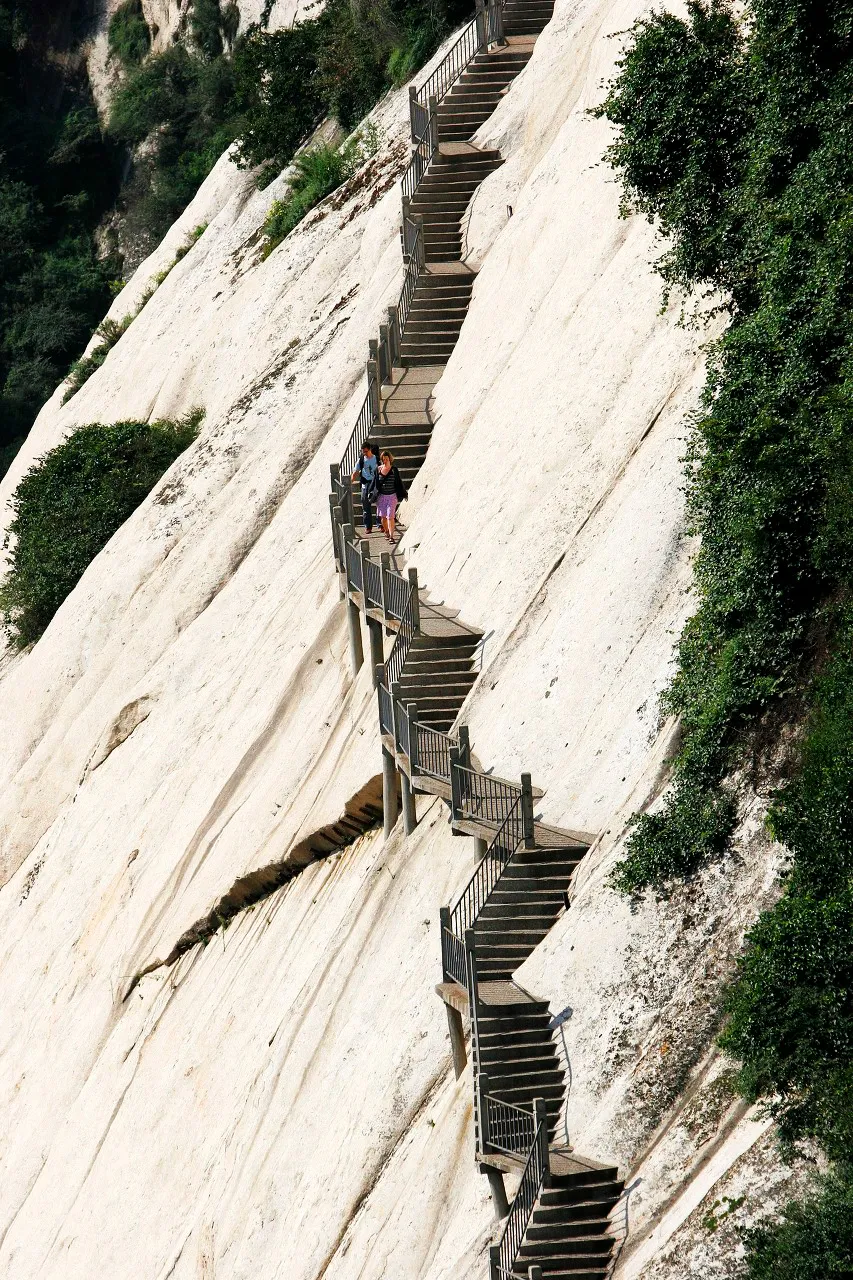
x,y
280,1102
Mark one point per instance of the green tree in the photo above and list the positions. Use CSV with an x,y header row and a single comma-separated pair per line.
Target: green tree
x,y
68,506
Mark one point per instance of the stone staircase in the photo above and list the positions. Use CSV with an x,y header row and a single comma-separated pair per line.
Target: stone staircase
x,y
523,906
479,90
567,1235
444,194
559,1226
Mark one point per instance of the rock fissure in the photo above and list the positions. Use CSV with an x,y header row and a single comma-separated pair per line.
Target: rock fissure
x,y
361,813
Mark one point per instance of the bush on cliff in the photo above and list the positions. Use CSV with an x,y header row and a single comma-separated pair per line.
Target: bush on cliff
x,y
68,506
734,135
128,36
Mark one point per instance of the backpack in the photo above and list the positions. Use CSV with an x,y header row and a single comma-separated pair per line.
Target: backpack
x,y
399,487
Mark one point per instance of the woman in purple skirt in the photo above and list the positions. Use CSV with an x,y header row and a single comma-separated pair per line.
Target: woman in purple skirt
x,y
391,490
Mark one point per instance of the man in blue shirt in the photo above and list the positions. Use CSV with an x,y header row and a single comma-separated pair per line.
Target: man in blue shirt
x,y
365,469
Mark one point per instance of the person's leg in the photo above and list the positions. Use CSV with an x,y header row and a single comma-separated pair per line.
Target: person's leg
x,y
391,516
366,509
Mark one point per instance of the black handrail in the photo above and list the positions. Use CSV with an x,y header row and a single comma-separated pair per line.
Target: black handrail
x,y
536,1175
424,147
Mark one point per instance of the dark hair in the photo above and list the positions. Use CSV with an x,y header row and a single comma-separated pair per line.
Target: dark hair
x,y
368,444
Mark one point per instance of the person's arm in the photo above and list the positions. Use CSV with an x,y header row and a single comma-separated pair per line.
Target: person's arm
x,y
357,471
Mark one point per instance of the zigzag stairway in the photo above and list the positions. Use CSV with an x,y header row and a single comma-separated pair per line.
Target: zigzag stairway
x,y
559,1220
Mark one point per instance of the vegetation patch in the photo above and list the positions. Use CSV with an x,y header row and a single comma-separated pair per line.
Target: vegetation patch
x,y
735,135
128,36
317,173
68,506
813,1241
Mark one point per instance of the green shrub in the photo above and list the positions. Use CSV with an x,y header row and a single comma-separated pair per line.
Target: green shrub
x,y
68,506
277,93
184,103
206,27
790,1010
733,136
128,36
813,1241
317,173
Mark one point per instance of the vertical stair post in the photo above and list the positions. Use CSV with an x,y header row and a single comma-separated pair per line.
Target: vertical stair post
x,y
356,651
364,553
483,1110
527,812
494,1262
534,1272
455,786
464,746
410,815
394,339
377,656
385,354
482,26
416,600
385,569
413,103
412,713
373,388
500,1204
433,124
389,792
540,1111
333,508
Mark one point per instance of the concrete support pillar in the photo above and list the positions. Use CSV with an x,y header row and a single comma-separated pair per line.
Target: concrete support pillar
x,y
496,1187
410,816
356,651
457,1039
389,792
377,655
534,1272
480,847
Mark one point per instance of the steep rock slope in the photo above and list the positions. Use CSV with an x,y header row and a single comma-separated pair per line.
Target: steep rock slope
x,y
279,1102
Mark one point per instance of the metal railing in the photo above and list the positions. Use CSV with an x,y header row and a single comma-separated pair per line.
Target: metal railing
x,y
509,836
535,1177
409,627
506,1128
386,710
482,797
424,147
353,567
485,28
414,266
372,574
433,752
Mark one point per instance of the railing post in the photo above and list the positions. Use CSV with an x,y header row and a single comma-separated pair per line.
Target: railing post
x,y
395,694
335,548
494,1262
364,554
413,98
482,30
384,570
498,11
444,926
540,1113
394,339
534,1272
374,634
421,251
482,1108
433,125
373,389
455,786
385,345
527,811
412,713
416,601
464,746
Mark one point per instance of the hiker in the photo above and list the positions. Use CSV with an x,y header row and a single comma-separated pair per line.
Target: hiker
x,y
366,469
391,490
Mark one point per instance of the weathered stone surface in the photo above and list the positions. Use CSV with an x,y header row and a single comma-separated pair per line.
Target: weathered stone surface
x,y
281,1101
